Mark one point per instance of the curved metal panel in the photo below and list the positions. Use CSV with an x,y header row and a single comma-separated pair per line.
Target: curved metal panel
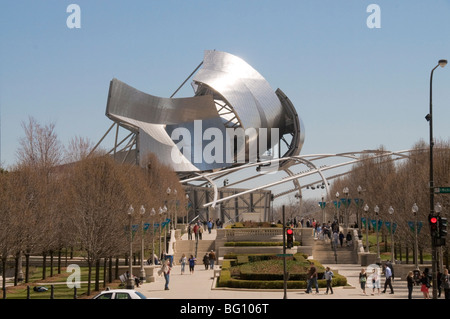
x,y
129,102
230,94
244,88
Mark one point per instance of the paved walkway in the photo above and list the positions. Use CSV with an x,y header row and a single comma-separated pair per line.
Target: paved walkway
x,y
201,285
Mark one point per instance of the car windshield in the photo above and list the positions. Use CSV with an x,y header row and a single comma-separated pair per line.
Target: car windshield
x,y
140,295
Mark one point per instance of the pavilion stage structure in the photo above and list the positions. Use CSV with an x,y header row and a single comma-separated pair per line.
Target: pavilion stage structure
x,y
235,143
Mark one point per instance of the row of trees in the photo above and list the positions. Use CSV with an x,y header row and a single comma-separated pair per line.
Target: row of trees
x,y
400,184
55,198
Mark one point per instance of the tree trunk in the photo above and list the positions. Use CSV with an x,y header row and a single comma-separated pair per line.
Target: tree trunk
x,y
89,276
4,276
27,267
44,264
97,275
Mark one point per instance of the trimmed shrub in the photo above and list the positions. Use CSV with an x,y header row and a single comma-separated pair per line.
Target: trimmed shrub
x,y
266,272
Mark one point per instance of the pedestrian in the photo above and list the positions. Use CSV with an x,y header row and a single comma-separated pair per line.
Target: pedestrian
x,y
335,240
191,264
390,265
189,231
312,279
445,283
425,281
166,271
329,277
388,282
212,259
206,261
363,280
410,283
195,230
183,261
200,232
375,281
210,225
341,238
348,239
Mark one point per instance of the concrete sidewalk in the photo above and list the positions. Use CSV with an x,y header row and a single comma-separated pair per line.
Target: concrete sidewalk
x,y
201,285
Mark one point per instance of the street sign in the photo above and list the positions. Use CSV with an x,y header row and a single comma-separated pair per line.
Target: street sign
x,y
285,255
442,190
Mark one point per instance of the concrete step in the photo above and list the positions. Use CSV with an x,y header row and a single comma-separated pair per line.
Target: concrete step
x,y
187,247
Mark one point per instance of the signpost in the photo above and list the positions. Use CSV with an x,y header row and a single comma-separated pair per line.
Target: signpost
x,y
442,190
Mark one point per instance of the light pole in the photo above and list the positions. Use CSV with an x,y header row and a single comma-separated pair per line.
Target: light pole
x,y
322,206
391,212
415,209
358,203
377,210
130,281
429,118
366,209
142,272
337,211
345,190
153,213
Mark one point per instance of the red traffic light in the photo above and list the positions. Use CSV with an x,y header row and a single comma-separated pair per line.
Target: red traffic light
x,y
289,231
433,220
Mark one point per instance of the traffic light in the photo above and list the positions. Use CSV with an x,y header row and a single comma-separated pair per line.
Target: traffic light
x,y
289,238
442,227
433,220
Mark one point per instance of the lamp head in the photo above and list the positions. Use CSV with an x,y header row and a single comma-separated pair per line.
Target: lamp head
x,y
442,63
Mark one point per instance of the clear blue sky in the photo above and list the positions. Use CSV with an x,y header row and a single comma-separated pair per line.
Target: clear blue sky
x,y
354,87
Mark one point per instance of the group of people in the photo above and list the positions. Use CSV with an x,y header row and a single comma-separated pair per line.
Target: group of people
x,y
166,267
425,282
199,227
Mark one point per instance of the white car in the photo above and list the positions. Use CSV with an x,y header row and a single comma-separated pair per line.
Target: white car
x,y
120,294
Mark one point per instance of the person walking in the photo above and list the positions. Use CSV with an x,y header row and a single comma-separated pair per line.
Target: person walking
x,y
329,277
425,281
166,271
363,280
388,282
183,261
375,281
189,231
341,238
212,259
445,283
191,264
312,279
410,283
206,261
210,225
200,232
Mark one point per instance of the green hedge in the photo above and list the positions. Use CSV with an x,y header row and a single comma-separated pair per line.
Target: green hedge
x,y
254,243
271,280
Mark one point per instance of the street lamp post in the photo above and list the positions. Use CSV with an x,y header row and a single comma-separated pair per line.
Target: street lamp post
x,y
345,190
415,209
153,213
391,212
366,209
142,272
377,210
429,118
358,204
337,210
130,281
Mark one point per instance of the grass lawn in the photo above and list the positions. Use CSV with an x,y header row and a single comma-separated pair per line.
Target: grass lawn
x,y
59,282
